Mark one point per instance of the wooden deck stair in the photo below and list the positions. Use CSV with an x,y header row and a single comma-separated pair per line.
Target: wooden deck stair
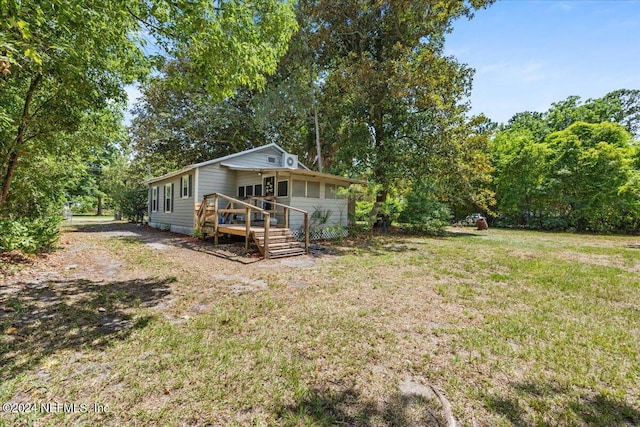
x,y
282,243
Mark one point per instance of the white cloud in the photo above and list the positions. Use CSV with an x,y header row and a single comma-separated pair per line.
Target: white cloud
x,y
564,5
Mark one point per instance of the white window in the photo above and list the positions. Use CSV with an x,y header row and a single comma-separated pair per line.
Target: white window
x,y
330,191
168,198
313,190
185,185
154,199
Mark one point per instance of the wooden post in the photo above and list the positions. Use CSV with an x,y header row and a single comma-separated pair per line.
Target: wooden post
x,y
286,217
267,221
215,222
306,233
247,221
196,215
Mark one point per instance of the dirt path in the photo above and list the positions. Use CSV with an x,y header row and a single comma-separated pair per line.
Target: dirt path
x,y
86,292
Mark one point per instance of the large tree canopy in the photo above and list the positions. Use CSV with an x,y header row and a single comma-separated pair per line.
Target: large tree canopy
x,y
64,60
395,99
175,126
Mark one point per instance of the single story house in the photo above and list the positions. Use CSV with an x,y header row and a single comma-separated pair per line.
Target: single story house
x,y
266,171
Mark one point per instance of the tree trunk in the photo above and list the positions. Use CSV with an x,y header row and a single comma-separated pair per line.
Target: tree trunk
x,y
318,146
11,170
314,101
99,212
15,152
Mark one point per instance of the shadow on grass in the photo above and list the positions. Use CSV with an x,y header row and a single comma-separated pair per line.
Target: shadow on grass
x,y
384,244
102,227
37,319
594,410
329,408
230,248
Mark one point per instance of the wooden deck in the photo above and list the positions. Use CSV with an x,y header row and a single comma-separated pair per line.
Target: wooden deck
x,y
282,243
273,242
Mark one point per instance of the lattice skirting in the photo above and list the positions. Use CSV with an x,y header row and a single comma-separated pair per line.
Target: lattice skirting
x,y
325,234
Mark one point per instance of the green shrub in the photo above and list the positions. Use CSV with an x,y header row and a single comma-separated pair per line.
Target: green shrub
x,y
391,209
29,235
363,209
423,212
133,203
198,233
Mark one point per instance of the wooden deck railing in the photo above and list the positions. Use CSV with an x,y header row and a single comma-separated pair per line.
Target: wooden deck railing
x,y
286,209
209,208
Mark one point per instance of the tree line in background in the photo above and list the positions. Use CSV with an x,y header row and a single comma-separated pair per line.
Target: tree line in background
x,y
355,88
574,167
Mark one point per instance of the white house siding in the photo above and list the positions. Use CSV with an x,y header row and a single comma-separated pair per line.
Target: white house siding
x,y
180,220
216,179
247,178
258,159
338,208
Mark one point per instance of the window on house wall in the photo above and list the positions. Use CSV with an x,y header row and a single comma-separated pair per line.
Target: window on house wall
x,y
257,190
313,190
283,188
154,199
241,191
249,190
330,191
168,198
185,184
298,188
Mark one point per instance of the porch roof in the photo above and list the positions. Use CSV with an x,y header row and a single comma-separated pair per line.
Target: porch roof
x,y
295,172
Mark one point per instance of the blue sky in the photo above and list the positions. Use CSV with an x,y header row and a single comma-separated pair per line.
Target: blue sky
x,y
528,54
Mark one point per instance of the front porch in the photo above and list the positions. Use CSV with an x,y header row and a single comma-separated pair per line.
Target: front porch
x,y
272,241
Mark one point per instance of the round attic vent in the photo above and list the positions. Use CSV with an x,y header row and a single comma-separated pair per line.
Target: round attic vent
x,y
290,161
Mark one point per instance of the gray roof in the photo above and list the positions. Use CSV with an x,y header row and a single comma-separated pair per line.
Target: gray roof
x,y
221,159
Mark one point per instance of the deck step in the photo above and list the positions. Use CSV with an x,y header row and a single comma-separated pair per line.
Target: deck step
x,y
282,243
273,240
281,253
275,231
286,245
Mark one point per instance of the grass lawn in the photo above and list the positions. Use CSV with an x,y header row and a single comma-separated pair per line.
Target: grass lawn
x,y
510,327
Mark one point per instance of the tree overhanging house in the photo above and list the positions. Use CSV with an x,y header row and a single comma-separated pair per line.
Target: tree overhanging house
x,y
267,172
